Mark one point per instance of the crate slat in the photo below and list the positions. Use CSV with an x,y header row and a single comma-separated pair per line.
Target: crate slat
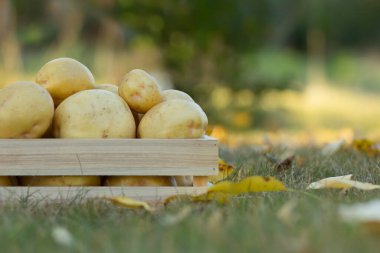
x,y
64,193
109,157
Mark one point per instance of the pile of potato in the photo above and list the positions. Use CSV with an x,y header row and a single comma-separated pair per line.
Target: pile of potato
x,y
65,102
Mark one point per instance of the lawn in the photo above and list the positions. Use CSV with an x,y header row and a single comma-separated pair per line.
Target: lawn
x,y
294,221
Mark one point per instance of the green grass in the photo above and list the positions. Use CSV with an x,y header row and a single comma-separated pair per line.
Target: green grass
x,y
247,224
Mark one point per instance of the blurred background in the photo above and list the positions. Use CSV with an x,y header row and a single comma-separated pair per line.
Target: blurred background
x,y
304,68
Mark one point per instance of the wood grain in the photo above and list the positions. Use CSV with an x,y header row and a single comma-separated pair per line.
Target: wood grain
x,y
108,157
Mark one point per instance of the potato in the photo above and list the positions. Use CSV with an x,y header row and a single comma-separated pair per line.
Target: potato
x,y
94,114
110,87
60,181
184,180
26,110
175,94
5,181
139,181
171,95
63,77
173,119
140,90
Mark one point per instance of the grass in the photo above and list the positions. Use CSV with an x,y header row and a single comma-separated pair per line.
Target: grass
x,y
248,224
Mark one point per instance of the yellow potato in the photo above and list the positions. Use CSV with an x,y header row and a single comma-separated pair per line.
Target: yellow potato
x,y
173,119
184,180
110,87
94,114
60,181
26,110
5,181
139,181
175,94
140,90
63,77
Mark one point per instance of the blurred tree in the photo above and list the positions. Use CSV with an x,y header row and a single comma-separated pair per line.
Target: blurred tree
x,y
258,45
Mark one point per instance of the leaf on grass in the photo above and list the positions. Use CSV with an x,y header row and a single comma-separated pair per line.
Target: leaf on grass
x,y
367,213
220,197
225,170
286,212
173,219
333,147
223,191
285,164
367,146
249,184
281,164
177,197
342,182
130,203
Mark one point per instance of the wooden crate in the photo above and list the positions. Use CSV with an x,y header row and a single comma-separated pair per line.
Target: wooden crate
x,y
106,157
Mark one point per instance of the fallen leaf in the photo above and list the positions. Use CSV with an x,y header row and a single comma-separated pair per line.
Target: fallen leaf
x,y
62,236
285,164
178,197
173,219
333,147
225,170
285,213
249,184
130,203
223,191
366,213
342,182
367,146
220,197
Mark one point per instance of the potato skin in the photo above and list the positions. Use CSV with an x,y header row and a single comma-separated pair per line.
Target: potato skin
x,y
94,114
140,90
60,181
26,110
110,87
139,181
5,181
173,119
175,94
63,77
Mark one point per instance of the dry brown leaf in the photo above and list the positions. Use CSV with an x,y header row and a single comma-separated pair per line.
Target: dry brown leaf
x,y
285,164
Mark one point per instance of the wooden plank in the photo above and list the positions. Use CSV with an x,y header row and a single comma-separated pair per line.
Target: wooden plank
x,y
66,193
59,170
106,146
109,157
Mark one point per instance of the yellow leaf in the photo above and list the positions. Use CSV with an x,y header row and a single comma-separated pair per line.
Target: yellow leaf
x,y
249,184
342,182
367,146
225,170
220,197
223,191
178,197
130,203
